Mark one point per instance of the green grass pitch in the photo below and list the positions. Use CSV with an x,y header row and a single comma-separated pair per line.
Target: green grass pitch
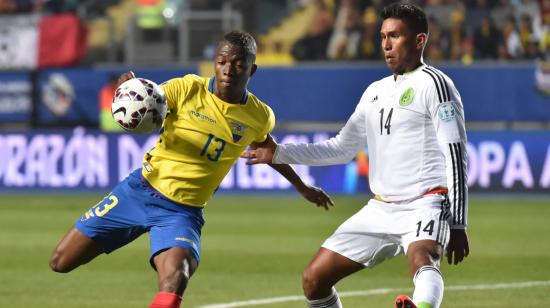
x,y
255,247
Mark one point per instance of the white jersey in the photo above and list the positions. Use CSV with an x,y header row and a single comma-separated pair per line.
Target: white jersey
x,y
413,127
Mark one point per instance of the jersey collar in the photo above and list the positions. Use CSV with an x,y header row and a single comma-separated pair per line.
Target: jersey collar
x,y
211,89
406,75
420,67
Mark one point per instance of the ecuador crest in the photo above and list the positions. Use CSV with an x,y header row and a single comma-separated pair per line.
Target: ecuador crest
x,y
237,130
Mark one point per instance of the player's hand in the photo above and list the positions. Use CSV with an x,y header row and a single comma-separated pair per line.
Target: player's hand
x,y
124,77
458,247
261,153
316,195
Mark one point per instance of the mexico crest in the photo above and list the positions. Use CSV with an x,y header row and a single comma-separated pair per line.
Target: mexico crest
x,y
406,98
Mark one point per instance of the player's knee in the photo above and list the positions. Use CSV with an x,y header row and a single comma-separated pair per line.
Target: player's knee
x,y
312,284
57,264
423,259
420,260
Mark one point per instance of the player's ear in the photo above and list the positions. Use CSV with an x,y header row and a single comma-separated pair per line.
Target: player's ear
x,y
253,69
421,40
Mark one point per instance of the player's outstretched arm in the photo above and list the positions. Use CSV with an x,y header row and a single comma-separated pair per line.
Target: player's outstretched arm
x,y
263,153
458,247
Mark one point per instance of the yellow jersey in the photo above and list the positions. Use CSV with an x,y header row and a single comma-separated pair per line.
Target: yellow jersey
x,y
202,138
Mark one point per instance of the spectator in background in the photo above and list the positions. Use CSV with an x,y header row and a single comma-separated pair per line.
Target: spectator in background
x,y
467,57
346,36
106,94
545,34
512,42
532,10
313,46
370,48
438,44
273,56
532,50
475,14
502,53
457,36
487,38
149,19
375,6
443,10
526,35
501,12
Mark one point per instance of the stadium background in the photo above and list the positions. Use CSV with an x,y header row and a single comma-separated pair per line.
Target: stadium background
x,y
60,153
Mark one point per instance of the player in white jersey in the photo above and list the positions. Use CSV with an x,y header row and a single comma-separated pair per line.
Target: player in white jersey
x,y
413,125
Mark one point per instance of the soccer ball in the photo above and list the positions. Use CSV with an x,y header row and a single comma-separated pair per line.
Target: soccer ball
x,y
139,106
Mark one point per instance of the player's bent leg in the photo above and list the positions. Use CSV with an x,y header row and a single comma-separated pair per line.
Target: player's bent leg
x,y
323,272
423,253
424,257
73,250
174,267
175,248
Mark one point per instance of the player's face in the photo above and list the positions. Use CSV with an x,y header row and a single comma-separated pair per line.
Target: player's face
x,y
402,48
233,68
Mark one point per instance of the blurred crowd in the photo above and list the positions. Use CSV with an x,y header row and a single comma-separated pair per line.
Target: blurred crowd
x,y
90,7
459,30
46,6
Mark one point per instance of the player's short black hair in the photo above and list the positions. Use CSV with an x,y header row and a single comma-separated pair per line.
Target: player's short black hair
x,y
411,14
243,40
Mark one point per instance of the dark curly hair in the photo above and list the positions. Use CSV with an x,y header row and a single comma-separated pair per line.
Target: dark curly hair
x,y
243,40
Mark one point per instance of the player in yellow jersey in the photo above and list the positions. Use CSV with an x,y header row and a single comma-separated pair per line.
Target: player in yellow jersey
x,y
210,123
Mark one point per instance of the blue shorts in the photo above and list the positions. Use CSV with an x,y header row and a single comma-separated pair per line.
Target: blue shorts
x,y
133,208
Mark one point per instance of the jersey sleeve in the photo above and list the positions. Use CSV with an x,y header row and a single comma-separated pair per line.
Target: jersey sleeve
x,y
337,150
445,108
270,124
174,89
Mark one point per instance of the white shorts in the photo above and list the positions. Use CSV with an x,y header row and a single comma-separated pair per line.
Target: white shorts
x,y
382,230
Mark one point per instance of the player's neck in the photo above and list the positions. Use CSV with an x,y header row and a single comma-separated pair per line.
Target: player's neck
x,y
237,96
231,98
408,69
